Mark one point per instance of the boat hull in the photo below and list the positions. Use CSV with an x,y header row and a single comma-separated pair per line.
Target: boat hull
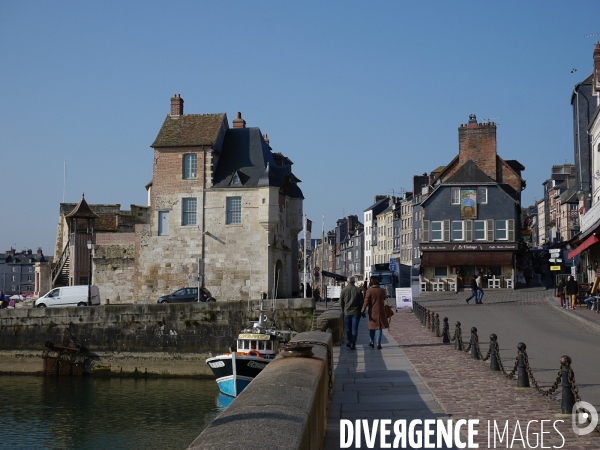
x,y
233,374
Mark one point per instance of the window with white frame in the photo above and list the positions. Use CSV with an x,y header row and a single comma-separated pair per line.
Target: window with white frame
x,y
457,229
456,196
436,231
501,230
234,210
188,211
479,231
482,195
190,166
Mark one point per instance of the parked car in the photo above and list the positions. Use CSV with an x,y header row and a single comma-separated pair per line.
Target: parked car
x,y
187,295
69,296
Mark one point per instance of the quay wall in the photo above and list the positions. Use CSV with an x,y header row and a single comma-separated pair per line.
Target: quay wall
x,y
139,339
288,401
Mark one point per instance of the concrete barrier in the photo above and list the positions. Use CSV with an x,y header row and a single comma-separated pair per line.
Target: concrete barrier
x,y
285,407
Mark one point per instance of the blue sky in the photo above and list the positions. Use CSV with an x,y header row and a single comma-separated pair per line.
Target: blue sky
x,y
360,95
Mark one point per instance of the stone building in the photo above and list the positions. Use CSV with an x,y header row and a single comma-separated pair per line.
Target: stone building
x,y
471,219
381,202
225,211
406,227
18,270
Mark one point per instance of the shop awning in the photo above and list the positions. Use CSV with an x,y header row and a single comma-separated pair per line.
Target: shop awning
x,y
585,244
467,259
335,276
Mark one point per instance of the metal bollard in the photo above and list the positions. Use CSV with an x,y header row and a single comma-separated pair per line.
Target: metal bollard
x,y
436,328
427,321
568,398
493,357
446,333
474,354
457,338
522,375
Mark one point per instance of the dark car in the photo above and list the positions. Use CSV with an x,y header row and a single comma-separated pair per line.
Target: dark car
x,y
187,295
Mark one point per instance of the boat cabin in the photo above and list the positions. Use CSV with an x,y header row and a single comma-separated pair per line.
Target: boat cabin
x,y
265,344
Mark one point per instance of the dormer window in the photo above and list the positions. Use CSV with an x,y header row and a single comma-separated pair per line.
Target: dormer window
x,y
235,180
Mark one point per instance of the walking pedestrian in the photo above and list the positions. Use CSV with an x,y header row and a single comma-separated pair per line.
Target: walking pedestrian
x,y
561,291
2,299
474,289
572,290
479,282
351,299
378,320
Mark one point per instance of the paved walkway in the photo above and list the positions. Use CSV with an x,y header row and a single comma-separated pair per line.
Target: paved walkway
x,y
376,384
415,376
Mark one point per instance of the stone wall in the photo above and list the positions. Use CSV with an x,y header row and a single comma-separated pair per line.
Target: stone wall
x,y
174,328
114,267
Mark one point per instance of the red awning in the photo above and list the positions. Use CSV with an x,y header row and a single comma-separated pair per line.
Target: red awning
x,y
467,259
585,244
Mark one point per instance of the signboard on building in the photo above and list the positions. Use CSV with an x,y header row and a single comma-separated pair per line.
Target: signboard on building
x,y
441,247
404,298
554,267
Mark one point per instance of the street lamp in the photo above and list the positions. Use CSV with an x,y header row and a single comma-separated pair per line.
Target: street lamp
x,y
90,246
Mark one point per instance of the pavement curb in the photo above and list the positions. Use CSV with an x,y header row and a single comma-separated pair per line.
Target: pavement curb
x,y
578,318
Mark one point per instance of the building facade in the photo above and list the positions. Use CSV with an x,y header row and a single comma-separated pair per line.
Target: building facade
x,y
381,202
18,271
471,219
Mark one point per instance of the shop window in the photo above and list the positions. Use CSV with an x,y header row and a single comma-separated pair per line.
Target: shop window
x,y
495,270
440,271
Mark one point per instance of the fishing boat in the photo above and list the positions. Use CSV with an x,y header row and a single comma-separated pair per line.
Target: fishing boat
x,y
256,347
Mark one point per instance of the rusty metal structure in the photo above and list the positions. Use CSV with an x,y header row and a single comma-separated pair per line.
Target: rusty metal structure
x,y
67,359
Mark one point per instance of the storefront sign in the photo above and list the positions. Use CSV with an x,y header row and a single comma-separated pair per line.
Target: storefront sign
x,y
554,267
404,298
470,247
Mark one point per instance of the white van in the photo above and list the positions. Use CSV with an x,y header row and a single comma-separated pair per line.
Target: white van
x,y
69,296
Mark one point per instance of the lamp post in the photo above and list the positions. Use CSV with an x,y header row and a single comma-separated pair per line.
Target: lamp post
x,y
90,246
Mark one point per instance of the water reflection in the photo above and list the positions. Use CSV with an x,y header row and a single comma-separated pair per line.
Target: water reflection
x,y
92,413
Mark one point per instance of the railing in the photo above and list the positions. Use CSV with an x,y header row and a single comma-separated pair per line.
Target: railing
x,y
566,377
60,263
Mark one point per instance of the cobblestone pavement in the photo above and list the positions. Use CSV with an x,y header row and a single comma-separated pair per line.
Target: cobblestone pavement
x,y
467,389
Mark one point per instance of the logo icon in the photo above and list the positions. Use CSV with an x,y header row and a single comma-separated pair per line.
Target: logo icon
x,y
589,413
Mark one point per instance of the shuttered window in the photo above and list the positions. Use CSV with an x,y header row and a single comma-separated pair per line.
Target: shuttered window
x,y
457,230
426,231
490,230
479,230
501,230
511,230
436,232
468,230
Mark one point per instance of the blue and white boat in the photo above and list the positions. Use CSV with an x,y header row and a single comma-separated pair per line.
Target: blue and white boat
x,y
256,347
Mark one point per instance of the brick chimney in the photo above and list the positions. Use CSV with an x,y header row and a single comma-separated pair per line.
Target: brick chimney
x,y
477,142
176,106
238,122
596,77
39,251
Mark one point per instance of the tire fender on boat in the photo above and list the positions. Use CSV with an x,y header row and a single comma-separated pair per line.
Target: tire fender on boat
x,y
254,353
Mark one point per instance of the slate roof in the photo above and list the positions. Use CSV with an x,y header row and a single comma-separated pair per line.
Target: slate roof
x,y
190,130
469,173
378,206
246,153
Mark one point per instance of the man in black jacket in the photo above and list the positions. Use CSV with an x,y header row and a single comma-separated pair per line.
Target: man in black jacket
x,y
572,289
474,289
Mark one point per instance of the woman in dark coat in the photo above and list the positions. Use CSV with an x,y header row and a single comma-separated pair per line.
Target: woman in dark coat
x,y
561,291
375,301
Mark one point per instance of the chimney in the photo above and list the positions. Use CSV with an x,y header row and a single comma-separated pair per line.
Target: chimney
x,y
266,138
477,142
39,250
176,106
238,122
596,77
11,252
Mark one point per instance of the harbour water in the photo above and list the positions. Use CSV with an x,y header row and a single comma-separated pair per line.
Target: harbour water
x,y
84,413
